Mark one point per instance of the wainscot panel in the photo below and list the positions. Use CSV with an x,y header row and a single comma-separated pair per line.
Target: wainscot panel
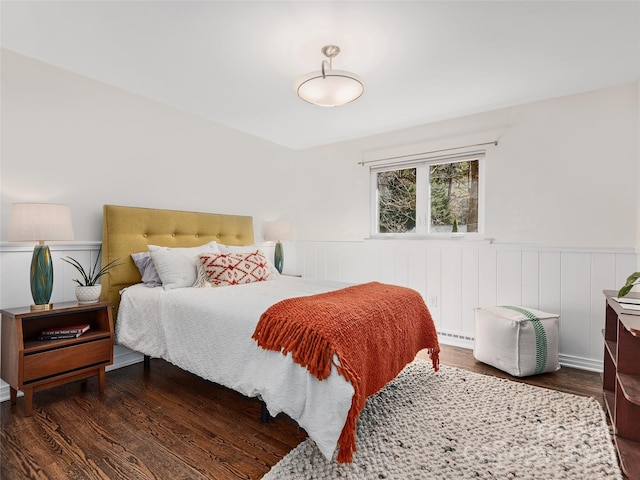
x,y
454,277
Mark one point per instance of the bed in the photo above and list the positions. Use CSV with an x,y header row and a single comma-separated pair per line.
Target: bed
x,y
216,332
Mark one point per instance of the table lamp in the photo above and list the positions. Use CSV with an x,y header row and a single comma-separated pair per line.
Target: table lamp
x,y
278,231
40,222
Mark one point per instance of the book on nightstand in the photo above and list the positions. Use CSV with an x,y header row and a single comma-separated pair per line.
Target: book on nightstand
x,y
627,300
70,331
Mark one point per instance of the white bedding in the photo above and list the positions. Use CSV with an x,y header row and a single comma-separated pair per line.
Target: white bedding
x,y
207,331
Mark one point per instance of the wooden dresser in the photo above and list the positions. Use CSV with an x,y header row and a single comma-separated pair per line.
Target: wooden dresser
x,y
621,379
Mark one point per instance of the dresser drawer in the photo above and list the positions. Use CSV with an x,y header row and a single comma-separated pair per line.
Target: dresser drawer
x,y
65,359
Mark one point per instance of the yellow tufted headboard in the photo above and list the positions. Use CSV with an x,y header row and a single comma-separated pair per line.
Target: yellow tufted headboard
x,y
127,230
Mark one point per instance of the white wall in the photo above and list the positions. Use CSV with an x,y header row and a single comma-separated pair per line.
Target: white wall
x,y
72,140
562,211
638,177
69,139
562,194
565,172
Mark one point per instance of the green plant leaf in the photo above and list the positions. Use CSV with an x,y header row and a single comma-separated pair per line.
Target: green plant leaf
x,y
624,290
632,280
90,278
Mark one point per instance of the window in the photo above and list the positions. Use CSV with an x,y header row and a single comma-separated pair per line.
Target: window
x,y
437,196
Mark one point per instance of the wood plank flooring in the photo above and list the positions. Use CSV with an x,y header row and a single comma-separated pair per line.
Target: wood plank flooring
x,y
169,424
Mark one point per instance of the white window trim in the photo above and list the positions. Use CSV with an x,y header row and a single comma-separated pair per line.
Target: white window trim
x,y
422,220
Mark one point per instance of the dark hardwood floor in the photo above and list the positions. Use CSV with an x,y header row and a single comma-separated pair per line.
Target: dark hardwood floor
x,y
169,424
568,380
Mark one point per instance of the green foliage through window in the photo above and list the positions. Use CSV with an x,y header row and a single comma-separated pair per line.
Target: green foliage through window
x,y
454,196
397,201
429,198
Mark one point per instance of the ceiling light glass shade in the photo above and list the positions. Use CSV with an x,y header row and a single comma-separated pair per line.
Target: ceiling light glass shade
x,y
328,87
335,88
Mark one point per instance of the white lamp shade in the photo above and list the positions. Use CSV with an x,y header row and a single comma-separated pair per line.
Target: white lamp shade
x,y
277,231
336,88
39,222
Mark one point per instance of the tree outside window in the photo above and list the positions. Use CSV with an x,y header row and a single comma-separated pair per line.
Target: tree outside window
x,y
431,198
397,201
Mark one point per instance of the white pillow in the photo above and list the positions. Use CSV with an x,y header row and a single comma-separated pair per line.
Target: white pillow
x,y
248,249
177,266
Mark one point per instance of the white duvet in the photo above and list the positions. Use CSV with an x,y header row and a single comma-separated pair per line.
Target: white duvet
x,y
207,331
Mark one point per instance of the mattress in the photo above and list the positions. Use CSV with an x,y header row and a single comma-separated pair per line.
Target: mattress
x,y
207,331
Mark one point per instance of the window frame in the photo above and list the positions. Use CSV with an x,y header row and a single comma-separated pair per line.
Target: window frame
x,y
423,196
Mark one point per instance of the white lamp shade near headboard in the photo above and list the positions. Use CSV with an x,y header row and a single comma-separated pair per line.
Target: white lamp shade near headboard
x,y
277,231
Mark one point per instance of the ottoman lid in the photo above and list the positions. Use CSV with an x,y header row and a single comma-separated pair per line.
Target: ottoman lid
x,y
517,313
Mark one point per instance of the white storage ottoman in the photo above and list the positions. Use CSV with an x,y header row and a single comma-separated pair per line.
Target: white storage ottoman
x,y
518,340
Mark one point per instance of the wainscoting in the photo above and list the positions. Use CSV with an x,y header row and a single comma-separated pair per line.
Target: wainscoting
x,y
455,276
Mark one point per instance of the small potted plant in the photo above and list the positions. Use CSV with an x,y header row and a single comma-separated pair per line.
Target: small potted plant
x,y
88,290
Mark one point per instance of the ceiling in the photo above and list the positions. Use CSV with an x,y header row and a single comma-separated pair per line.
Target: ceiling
x,y
236,62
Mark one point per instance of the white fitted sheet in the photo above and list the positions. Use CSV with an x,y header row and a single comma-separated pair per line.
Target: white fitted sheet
x,y
207,331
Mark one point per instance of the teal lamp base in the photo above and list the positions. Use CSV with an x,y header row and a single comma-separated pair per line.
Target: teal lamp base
x,y
41,277
278,257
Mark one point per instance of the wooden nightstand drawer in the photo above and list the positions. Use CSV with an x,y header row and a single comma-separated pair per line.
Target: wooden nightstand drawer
x,y
60,360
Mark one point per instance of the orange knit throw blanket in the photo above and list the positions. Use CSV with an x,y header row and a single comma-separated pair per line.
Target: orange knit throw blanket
x,y
373,329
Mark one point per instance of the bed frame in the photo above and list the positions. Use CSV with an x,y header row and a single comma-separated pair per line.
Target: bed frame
x,y
127,230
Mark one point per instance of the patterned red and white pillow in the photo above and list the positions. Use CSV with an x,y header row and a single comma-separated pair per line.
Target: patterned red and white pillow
x,y
235,268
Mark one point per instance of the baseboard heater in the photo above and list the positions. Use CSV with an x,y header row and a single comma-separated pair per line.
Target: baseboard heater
x,y
456,336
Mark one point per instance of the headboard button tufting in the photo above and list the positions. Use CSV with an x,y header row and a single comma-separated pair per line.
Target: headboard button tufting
x,y
121,226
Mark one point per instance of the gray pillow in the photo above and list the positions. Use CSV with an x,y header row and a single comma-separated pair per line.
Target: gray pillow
x,y
147,269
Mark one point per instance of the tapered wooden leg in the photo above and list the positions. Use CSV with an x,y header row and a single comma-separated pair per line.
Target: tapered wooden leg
x,y
28,401
13,395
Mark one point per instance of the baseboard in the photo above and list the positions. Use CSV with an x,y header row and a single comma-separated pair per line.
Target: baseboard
x,y
123,357
455,340
4,392
581,363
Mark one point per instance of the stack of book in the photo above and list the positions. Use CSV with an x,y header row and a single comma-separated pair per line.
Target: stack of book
x,y
70,331
628,303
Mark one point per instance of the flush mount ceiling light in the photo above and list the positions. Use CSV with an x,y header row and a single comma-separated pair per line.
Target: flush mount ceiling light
x,y
328,87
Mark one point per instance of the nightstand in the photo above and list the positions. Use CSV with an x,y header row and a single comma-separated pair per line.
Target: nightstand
x,y
30,365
